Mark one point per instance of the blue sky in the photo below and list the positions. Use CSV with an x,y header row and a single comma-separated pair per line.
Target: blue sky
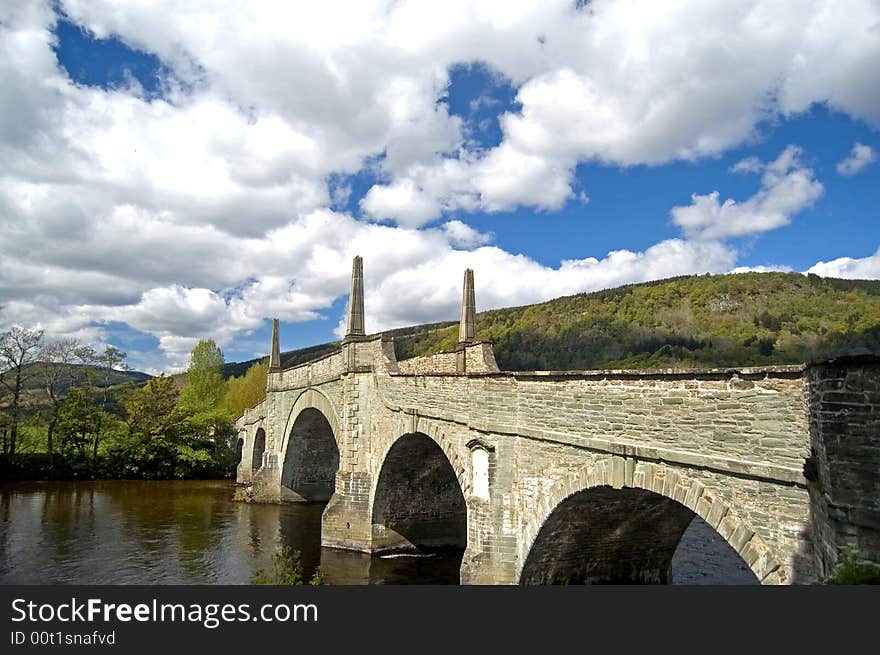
x,y
627,207
213,178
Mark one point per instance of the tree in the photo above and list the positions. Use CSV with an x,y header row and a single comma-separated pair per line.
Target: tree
x,y
99,371
156,429
111,359
152,410
79,418
19,348
60,359
163,441
204,376
201,396
246,391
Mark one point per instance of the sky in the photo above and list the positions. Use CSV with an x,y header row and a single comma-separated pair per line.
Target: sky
x,y
171,172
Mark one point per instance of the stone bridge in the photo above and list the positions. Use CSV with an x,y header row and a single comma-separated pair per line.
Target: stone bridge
x,y
569,476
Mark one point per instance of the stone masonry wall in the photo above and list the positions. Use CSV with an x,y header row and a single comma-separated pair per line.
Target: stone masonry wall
x,y
246,427
418,507
439,363
844,470
315,372
478,358
750,423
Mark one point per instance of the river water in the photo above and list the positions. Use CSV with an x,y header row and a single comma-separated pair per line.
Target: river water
x,y
192,532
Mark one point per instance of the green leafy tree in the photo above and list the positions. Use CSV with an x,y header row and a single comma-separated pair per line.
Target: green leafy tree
x,y
157,430
164,440
152,409
79,418
247,390
202,395
204,376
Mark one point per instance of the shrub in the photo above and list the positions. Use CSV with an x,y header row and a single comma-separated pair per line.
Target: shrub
x,y
851,570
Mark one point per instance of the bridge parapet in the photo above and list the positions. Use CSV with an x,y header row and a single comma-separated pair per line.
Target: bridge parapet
x,y
475,358
252,415
374,353
316,371
750,421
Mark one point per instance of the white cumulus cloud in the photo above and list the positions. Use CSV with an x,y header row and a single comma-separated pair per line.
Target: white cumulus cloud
x,y
201,212
859,157
864,268
787,187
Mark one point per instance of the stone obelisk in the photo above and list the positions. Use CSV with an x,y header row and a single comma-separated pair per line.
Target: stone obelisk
x,y
355,327
467,329
275,353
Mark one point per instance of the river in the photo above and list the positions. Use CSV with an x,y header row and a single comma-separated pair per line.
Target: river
x,y
192,532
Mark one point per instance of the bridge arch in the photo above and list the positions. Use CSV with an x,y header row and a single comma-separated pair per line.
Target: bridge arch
x,y
418,500
636,513
258,449
310,452
436,431
239,448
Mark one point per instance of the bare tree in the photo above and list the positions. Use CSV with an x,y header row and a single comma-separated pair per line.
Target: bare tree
x,y
59,375
19,348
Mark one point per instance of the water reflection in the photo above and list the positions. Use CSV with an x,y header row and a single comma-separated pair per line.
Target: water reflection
x,y
348,567
191,532
174,532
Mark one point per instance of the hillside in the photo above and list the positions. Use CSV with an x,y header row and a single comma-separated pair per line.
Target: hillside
x,y
694,321
289,358
69,376
77,375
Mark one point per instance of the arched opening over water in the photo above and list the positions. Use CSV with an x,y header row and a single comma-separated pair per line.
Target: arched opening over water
x,y
311,459
418,506
239,448
259,448
603,535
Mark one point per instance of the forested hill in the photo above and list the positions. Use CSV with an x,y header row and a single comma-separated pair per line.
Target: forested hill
x,y
77,375
695,321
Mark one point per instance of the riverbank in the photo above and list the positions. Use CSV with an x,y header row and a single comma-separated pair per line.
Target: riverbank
x,y
39,467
